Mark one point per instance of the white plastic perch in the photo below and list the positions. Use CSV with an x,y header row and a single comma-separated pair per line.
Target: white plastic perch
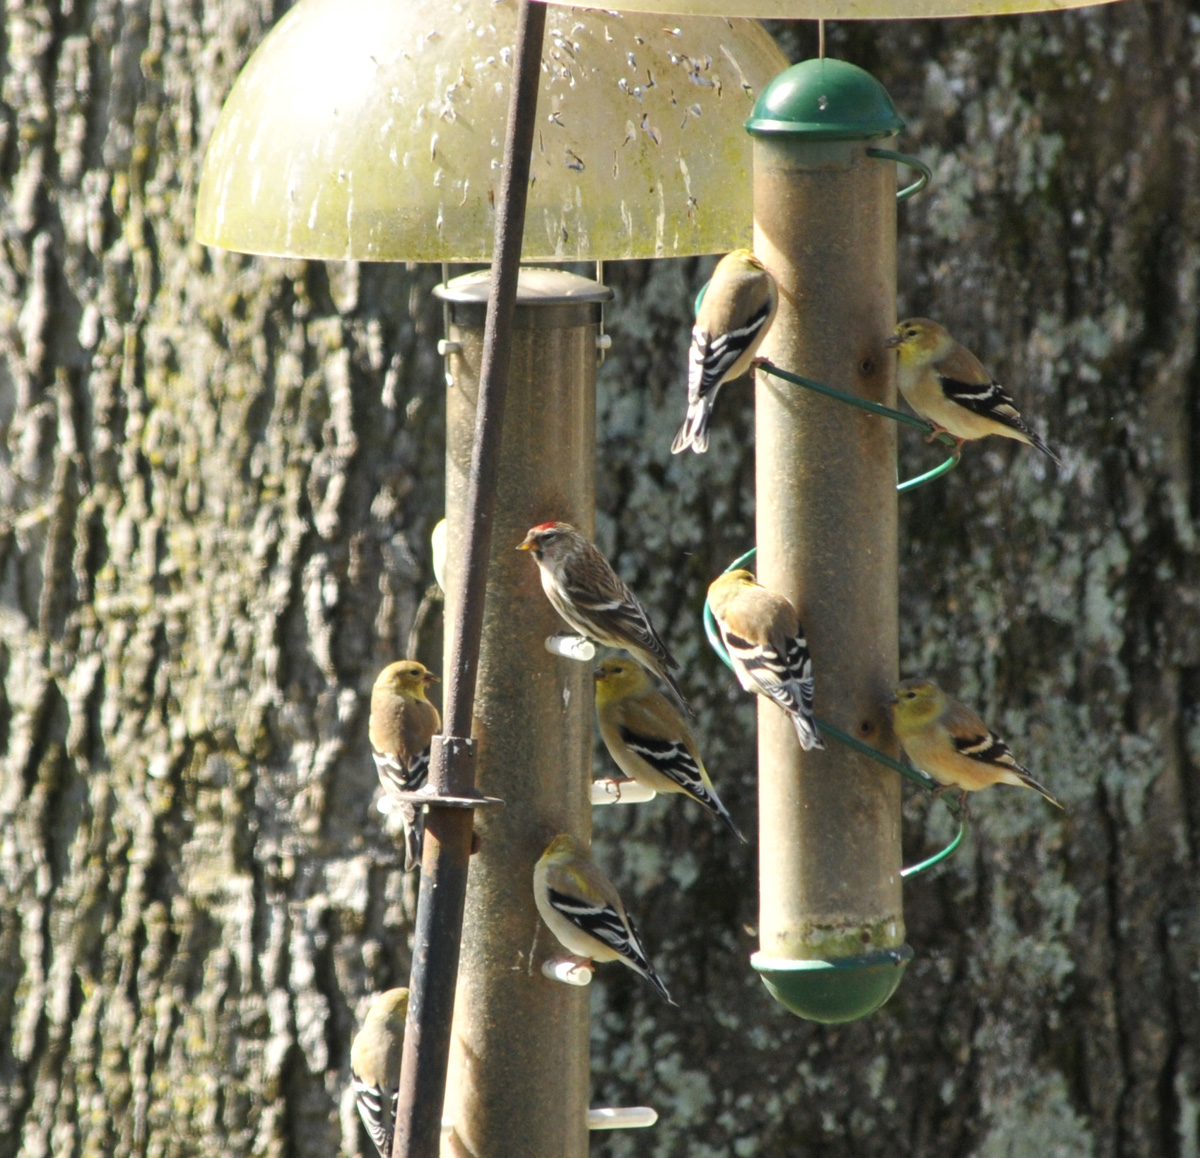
x,y
568,970
617,791
437,542
607,1118
571,646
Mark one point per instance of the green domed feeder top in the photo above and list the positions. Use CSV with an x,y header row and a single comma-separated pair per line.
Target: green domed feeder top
x,y
834,991
830,100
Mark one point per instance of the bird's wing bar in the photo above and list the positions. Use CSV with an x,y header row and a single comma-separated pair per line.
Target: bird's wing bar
x,y
987,748
788,681
627,619
598,919
370,1108
988,400
800,669
712,355
393,771
670,758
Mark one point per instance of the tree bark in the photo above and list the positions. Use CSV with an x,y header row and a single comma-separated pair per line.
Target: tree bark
x,y
217,479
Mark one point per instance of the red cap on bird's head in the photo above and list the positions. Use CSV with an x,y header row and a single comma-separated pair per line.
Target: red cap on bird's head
x,y
535,536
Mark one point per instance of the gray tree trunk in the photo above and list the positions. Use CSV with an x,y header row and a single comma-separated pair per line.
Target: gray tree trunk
x,y
217,480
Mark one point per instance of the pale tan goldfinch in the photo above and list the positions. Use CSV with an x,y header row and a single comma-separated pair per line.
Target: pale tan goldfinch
x,y
738,308
589,595
947,385
649,739
581,908
766,644
375,1066
403,722
944,738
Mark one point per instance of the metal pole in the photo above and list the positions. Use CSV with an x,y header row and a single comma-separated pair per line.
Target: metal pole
x,y
448,831
518,1077
829,821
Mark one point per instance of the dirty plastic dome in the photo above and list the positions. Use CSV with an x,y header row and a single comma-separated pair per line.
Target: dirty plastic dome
x,y
374,131
845,9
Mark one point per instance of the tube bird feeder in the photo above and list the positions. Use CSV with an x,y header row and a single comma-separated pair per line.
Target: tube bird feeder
x,y
831,923
398,154
533,721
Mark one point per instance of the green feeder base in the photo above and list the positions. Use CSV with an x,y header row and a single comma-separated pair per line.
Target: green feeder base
x,y
833,991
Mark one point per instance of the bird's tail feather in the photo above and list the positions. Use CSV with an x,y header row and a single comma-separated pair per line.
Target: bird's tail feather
x,y
806,732
1030,782
723,813
694,431
1037,442
414,838
657,982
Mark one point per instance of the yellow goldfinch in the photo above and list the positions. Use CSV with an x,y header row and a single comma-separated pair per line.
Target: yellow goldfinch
x,y
584,589
738,308
582,909
403,722
649,739
947,385
766,643
375,1066
944,738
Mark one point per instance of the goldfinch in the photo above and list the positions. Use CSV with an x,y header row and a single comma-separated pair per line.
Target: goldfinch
x,y
735,315
375,1066
649,739
581,908
403,722
766,644
947,385
944,738
589,595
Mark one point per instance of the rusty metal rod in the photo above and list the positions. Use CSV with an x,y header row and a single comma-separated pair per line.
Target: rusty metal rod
x,y
448,831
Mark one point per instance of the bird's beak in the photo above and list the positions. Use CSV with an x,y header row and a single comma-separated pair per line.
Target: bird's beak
x,y
892,342
526,544
430,678
892,700
597,674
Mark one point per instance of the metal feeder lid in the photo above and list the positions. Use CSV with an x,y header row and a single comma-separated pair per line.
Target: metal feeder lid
x,y
546,299
844,989
831,100
535,285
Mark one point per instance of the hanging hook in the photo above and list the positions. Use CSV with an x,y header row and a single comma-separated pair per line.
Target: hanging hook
x,y
924,171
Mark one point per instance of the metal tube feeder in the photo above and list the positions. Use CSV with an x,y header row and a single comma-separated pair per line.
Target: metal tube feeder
x,y
519,1051
831,922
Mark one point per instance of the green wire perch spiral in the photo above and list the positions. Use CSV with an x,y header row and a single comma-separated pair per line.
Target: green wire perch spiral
x,y
714,635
